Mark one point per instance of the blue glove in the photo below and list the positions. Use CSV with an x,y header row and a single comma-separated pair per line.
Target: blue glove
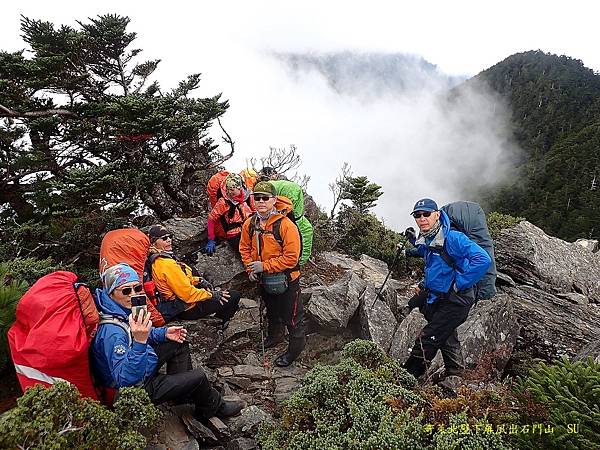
x,y
210,247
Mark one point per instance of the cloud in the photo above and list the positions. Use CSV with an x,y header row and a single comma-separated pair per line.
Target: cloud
x,y
402,128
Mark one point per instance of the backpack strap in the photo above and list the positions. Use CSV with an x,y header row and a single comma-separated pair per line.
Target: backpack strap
x,y
275,232
448,259
114,320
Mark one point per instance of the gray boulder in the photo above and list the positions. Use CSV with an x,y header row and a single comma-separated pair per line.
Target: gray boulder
x,y
490,330
187,233
377,322
591,244
222,266
333,306
552,326
530,256
405,335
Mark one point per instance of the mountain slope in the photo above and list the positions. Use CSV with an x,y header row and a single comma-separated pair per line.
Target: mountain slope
x,y
555,102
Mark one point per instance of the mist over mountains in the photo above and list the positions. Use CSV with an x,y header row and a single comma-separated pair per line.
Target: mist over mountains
x,y
522,137
396,119
368,74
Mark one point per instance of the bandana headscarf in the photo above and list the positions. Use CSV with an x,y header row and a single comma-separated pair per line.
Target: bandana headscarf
x,y
118,275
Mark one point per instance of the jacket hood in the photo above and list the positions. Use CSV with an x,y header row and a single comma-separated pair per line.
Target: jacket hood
x,y
283,205
445,221
108,306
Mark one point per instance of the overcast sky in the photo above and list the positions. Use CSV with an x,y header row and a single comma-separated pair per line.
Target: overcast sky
x,y
405,144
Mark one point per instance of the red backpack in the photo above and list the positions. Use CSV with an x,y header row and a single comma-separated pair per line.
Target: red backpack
x,y
56,320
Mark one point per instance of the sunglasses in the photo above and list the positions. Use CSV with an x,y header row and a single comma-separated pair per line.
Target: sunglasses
x,y
262,198
422,214
128,290
165,237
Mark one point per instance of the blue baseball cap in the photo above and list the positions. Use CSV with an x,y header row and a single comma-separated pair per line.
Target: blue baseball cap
x,y
425,204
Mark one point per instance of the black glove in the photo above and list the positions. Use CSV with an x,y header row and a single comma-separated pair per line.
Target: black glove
x,y
204,284
216,295
405,311
410,234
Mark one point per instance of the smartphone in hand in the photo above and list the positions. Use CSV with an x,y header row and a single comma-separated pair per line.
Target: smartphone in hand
x,y
138,306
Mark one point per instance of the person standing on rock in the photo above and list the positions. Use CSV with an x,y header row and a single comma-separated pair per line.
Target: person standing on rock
x,y
453,265
183,294
270,251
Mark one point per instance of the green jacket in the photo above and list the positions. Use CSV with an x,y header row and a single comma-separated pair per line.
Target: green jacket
x,y
294,192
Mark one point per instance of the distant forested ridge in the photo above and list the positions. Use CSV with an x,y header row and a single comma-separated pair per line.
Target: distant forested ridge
x,y
555,102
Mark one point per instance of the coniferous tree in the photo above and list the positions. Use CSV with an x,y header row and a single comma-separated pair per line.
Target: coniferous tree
x,y
87,136
361,192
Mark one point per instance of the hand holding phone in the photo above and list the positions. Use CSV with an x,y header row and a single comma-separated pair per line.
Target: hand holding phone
x,y
139,307
140,327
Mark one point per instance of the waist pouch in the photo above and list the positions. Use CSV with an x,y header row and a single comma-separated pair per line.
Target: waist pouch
x,y
274,283
462,298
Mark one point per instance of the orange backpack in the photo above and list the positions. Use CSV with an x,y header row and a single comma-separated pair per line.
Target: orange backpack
x,y
213,188
131,246
250,177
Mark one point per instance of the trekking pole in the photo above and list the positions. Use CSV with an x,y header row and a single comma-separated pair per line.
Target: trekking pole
x,y
265,363
400,248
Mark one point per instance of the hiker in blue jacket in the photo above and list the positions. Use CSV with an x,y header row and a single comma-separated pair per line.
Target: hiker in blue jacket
x,y
453,265
130,351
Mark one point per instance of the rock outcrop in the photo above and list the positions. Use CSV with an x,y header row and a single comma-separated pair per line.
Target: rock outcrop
x,y
531,257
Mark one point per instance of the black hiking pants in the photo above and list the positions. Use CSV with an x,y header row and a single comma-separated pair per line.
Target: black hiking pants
x,y
206,308
443,317
182,383
175,309
285,310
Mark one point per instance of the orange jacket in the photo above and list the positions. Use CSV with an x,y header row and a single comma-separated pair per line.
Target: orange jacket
x,y
275,257
240,213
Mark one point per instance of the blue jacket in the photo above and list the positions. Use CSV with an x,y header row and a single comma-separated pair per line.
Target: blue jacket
x,y
116,363
471,260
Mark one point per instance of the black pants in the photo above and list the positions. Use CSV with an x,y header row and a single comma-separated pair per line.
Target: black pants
x,y
206,308
182,384
234,243
175,309
444,316
285,310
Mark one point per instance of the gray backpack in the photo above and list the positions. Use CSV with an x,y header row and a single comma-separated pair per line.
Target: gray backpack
x,y
469,218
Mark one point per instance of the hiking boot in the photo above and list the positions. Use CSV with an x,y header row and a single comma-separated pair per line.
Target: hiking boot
x,y
295,347
272,341
451,383
275,335
230,408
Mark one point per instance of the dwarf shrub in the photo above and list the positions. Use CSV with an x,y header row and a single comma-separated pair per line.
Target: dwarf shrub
x,y
59,418
497,222
571,391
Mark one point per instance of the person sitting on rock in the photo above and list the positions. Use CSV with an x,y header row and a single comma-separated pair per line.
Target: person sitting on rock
x,y
130,351
270,250
233,207
183,294
453,265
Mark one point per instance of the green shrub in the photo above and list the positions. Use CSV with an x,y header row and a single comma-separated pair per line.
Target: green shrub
x,y
362,233
11,291
571,390
28,269
497,221
58,418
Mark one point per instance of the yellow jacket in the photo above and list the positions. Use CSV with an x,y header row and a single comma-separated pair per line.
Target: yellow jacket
x,y
174,279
